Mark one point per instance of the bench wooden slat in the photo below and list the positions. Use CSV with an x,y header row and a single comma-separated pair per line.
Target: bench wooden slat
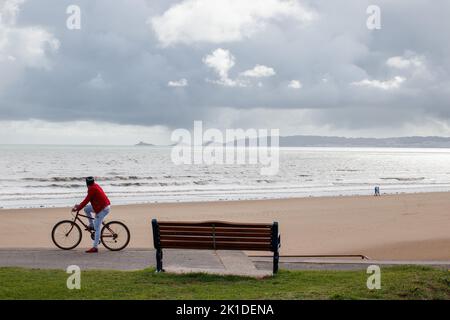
x,y
210,233
218,246
216,229
218,239
216,223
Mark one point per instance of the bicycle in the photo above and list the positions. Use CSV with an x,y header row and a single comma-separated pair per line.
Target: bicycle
x,y
67,234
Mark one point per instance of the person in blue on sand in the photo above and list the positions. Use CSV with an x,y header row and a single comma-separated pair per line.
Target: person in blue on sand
x,y
377,191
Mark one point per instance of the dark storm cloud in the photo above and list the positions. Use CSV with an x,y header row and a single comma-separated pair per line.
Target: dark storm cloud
x,y
114,69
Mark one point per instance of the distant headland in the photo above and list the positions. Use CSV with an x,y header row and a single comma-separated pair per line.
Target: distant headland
x,y
144,144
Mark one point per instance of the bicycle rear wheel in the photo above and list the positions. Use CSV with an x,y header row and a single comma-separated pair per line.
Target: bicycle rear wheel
x,y
66,235
115,236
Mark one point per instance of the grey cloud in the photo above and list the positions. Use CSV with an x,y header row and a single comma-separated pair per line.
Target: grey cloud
x,y
117,42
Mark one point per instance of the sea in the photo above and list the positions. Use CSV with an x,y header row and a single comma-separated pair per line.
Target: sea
x,y
33,176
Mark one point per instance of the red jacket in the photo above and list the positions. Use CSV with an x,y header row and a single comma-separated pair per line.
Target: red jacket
x,y
97,197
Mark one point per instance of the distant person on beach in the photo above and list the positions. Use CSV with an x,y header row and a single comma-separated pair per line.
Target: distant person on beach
x,y
99,204
377,191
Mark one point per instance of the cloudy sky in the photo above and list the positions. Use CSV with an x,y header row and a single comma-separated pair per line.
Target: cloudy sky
x,y
138,69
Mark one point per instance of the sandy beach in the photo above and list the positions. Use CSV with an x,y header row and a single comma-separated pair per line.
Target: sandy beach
x,y
404,226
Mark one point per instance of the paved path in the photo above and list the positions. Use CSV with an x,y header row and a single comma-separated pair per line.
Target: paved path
x,y
176,261
131,259
181,261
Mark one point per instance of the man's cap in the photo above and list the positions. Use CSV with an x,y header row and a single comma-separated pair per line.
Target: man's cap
x,y
90,180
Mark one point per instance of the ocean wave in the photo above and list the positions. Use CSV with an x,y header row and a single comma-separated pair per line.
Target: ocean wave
x,y
129,184
202,183
349,184
54,185
70,179
265,181
403,179
119,184
151,184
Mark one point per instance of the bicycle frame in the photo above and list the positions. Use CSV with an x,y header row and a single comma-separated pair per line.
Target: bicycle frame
x,y
77,218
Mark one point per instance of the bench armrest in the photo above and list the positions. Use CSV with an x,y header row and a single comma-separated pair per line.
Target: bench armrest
x,y
156,235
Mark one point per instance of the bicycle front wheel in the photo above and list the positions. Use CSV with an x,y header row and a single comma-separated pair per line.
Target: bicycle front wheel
x,y
66,235
115,236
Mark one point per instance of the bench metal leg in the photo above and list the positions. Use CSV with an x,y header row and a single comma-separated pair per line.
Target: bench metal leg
x,y
159,263
276,240
276,258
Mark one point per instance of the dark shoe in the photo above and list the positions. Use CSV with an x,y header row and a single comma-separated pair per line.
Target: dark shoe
x,y
90,228
92,250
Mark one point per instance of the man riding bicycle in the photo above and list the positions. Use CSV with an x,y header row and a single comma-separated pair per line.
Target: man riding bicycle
x,y
99,204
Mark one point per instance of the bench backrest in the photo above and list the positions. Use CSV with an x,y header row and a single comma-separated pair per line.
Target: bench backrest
x,y
215,235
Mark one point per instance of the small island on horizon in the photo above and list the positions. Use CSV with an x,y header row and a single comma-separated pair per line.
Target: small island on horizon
x,y
144,144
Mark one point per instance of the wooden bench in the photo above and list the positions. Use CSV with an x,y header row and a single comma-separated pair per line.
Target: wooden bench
x,y
215,235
